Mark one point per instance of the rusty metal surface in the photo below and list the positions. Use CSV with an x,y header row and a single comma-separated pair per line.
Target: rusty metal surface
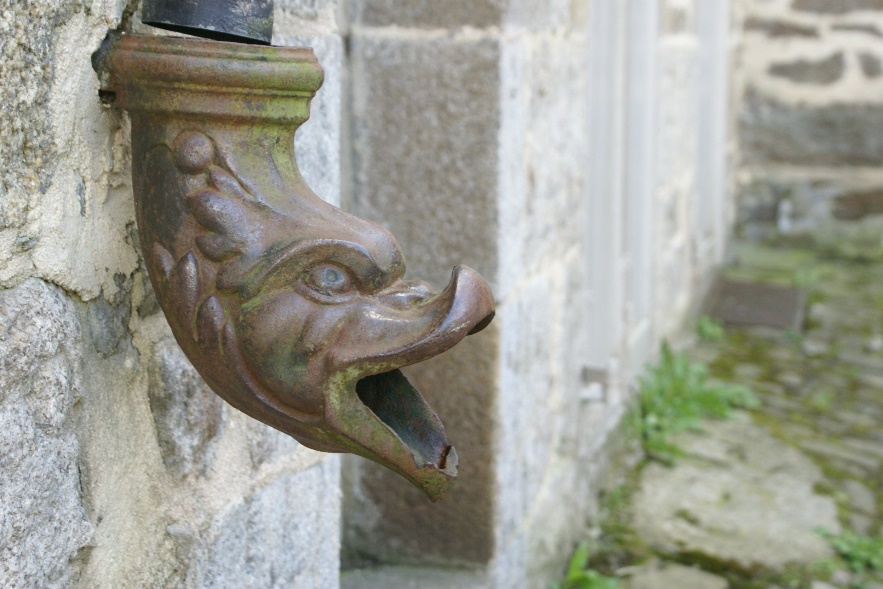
x,y
757,304
249,21
292,310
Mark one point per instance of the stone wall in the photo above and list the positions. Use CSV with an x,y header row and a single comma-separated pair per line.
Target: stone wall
x,y
118,467
809,113
504,137
572,151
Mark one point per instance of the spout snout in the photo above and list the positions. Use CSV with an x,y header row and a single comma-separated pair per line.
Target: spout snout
x,y
470,308
476,302
427,323
293,310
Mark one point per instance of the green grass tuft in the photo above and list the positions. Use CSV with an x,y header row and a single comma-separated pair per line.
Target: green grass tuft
x,y
675,395
862,554
710,330
580,577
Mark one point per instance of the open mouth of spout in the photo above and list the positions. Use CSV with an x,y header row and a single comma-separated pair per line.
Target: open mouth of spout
x,y
391,422
398,404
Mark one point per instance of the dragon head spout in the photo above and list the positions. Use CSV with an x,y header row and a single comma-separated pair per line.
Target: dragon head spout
x,y
294,311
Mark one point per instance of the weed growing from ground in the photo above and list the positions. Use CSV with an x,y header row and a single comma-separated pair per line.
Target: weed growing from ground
x,y
710,330
862,554
580,577
675,395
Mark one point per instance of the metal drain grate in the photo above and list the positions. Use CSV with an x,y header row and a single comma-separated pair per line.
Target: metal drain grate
x,y
756,304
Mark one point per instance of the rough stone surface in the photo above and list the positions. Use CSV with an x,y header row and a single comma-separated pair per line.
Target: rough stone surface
x,y
837,6
868,29
777,28
436,97
871,65
428,14
541,174
425,119
812,200
852,206
28,150
771,131
674,576
388,519
118,468
186,412
861,497
43,523
825,71
413,578
479,158
736,512
313,24
808,111
833,413
256,544
469,144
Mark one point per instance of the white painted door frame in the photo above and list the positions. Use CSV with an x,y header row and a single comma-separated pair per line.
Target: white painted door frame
x,y
620,225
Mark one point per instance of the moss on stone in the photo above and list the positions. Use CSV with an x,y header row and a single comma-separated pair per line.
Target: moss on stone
x,y
818,389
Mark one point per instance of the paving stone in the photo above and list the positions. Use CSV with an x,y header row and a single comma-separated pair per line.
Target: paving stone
x,y
782,404
405,577
841,578
744,372
860,523
872,379
865,447
831,427
731,501
839,454
790,379
769,389
815,347
797,430
858,357
856,420
756,304
675,576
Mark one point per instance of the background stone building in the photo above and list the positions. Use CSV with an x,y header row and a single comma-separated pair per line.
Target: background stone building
x,y
573,151
807,83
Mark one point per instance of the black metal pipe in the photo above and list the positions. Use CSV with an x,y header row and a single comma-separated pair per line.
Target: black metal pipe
x,y
243,21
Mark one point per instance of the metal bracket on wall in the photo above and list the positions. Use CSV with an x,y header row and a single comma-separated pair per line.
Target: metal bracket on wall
x,y
292,310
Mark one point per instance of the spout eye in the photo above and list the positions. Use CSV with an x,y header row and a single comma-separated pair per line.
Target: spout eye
x,y
330,280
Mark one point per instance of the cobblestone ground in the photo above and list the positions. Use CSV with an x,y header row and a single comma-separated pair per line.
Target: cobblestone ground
x,y
822,389
810,456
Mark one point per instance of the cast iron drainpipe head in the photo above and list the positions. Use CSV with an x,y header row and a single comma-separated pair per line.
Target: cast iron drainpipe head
x,y
292,310
243,21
